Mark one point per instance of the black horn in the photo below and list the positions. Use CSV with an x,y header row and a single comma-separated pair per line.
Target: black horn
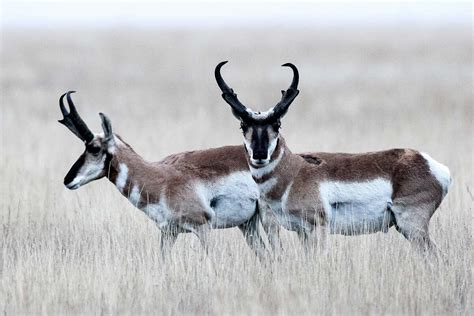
x,y
72,120
289,95
229,95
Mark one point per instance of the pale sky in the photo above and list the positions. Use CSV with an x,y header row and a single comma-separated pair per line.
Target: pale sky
x,y
242,13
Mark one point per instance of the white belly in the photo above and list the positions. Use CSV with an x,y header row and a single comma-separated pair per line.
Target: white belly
x,y
357,207
232,199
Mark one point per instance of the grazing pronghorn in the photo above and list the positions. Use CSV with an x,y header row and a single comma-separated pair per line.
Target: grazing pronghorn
x,y
338,192
186,192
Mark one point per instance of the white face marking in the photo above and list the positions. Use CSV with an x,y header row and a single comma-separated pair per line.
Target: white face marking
x,y
134,197
260,115
357,207
122,177
260,172
91,170
234,198
440,172
249,148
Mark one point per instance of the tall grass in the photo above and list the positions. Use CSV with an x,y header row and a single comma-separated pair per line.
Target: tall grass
x,y
89,251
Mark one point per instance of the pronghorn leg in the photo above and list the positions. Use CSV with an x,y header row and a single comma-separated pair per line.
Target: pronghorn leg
x,y
168,238
203,232
271,226
313,240
252,236
412,222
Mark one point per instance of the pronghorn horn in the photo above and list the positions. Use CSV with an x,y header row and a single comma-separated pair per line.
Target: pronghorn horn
x,y
72,120
229,95
287,96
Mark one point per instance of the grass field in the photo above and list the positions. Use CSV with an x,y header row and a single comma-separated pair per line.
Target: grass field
x,y
90,251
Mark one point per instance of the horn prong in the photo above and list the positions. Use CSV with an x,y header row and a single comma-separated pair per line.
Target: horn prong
x,y
61,105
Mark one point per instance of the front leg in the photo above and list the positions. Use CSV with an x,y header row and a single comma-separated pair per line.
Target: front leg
x,y
313,228
271,226
252,236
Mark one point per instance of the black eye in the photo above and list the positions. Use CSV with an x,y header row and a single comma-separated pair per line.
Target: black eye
x,y
276,126
93,149
243,127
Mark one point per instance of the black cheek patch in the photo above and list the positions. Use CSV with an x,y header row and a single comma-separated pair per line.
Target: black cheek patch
x,y
74,169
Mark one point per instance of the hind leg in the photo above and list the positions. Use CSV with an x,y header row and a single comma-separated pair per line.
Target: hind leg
x,y
413,222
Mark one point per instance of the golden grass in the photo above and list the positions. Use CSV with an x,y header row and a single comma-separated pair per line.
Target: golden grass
x,y
89,251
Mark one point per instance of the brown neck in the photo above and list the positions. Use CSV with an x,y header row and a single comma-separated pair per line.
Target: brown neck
x,y
274,178
134,177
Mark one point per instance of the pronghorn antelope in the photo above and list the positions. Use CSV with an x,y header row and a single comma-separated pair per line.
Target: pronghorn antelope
x,y
341,193
186,192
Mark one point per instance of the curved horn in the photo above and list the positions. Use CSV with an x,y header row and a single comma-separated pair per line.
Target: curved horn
x,y
229,95
72,120
280,109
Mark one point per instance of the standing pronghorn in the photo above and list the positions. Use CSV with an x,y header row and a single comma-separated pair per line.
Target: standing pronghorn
x,y
345,193
186,192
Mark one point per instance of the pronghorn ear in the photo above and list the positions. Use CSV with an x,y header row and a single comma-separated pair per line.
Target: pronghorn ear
x,y
106,126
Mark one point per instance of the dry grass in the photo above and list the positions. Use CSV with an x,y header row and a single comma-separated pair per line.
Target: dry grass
x,y
89,251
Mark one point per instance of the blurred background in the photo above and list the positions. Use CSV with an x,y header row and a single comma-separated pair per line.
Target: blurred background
x,y
373,75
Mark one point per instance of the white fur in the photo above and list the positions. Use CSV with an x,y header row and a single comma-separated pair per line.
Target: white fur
x,y
260,115
266,186
122,177
159,212
236,196
260,172
440,171
87,173
357,207
134,196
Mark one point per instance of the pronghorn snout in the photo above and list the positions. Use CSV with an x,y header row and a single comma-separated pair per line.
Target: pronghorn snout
x,y
260,155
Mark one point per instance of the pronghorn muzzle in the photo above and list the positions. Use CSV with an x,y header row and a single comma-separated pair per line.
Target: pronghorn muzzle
x,y
72,120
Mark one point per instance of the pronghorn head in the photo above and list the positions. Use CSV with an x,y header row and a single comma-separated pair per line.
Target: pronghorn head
x,y
260,129
92,164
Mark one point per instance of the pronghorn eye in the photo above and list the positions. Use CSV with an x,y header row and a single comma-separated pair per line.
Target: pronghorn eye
x,y
93,149
243,126
277,125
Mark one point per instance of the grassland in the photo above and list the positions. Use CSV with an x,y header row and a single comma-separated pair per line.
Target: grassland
x,y
362,89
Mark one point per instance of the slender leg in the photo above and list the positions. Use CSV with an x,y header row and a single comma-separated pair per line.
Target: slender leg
x,y
254,240
271,226
168,238
252,236
412,223
202,232
314,240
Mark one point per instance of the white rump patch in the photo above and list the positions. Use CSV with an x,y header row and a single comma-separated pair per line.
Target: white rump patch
x,y
122,177
357,207
260,172
440,171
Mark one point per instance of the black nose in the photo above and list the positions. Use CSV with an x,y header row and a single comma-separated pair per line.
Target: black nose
x,y
259,154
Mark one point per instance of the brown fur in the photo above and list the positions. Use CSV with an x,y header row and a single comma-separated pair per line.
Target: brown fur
x,y
416,192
